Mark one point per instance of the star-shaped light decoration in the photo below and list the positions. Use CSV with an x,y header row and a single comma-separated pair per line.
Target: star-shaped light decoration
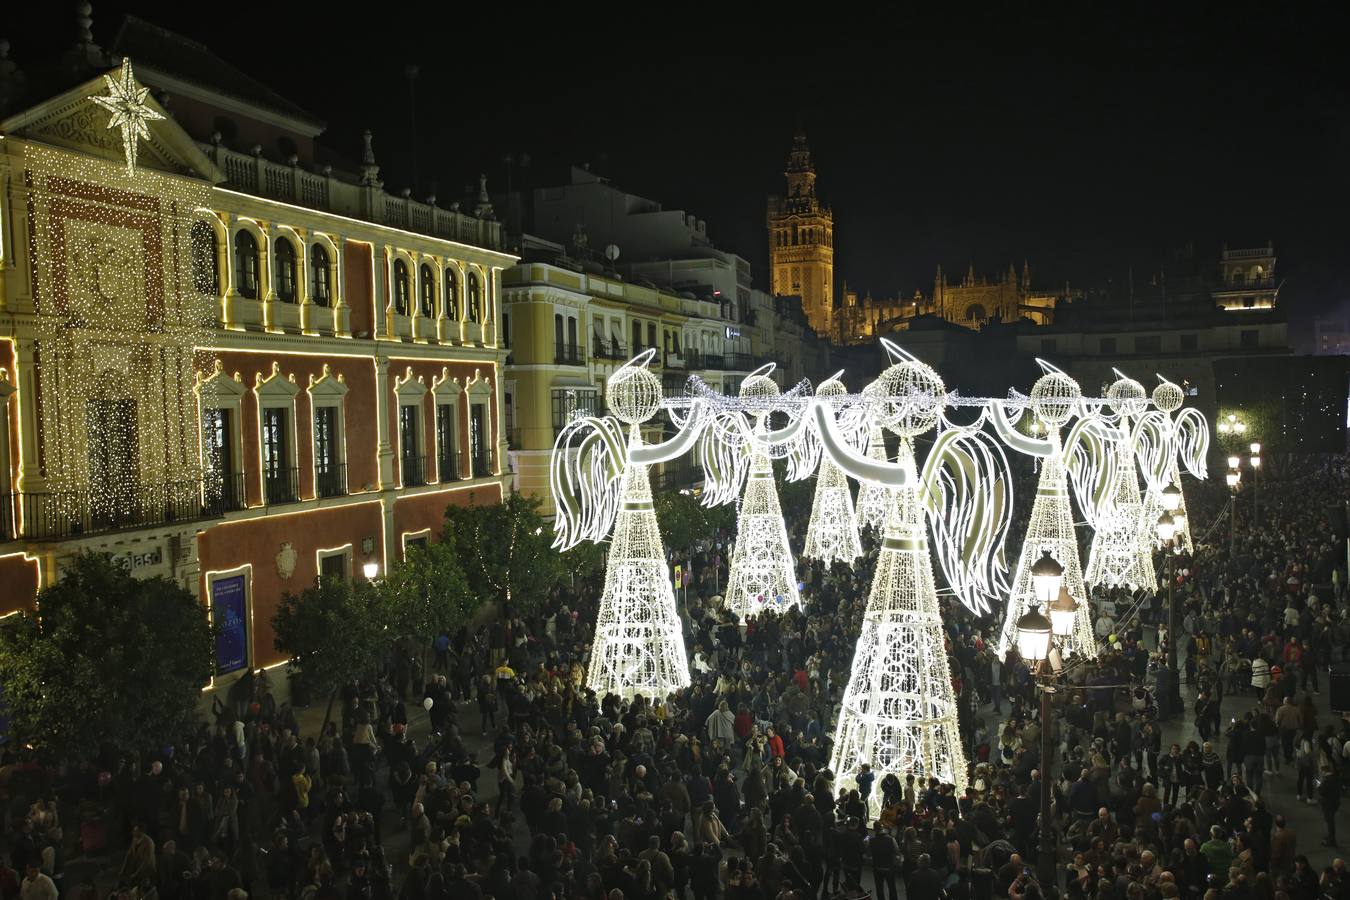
x,y
126,102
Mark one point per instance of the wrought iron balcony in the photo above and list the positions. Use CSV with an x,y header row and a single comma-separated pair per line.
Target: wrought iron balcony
x,y
447,465
7,532
330,480
60,515
282,486
607,349
568,356
414,470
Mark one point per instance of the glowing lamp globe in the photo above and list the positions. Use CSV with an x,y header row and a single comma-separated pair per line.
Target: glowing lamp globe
x,y
1256,446
1240,427
1167,527
1063,613
1223,428
1232,478
1047,576
1256,462
1054,397
633,394
1233,462
371,570
1033,636
1171,498
1179,521
1168,397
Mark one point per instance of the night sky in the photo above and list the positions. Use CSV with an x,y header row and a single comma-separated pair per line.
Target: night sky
x,y
1089,146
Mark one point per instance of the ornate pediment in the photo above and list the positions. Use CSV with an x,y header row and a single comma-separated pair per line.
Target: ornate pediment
x,y
70,120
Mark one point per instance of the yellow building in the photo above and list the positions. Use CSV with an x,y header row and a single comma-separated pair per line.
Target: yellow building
x,y
568,330
801,242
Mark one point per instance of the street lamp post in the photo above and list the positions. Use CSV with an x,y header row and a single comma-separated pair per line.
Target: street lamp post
x,y
1034,635
1170,524
1234,479
1255,461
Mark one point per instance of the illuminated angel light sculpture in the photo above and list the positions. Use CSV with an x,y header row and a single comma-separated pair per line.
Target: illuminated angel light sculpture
x,y
833,532
763,573
899,709
1160,440
1119,556
873,499
1055,398
599,481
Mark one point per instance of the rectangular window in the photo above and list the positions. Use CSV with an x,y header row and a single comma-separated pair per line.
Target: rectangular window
x,y
572,337
223,491
278,474
567,401
559,348
410,447
637,336
1109,345
328,470
1190,342
1148,343
651,334
506,331
1249,339
447,445
412,543
478,449
335,566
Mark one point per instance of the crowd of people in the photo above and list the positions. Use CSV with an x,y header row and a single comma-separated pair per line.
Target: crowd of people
x,y
496,773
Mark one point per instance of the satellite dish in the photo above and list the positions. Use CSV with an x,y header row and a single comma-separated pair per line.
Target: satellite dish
x,y
612,252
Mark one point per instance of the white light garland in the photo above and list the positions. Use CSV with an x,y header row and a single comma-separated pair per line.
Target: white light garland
x,y
118,323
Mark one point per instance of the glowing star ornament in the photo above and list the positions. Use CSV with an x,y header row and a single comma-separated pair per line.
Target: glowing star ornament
x,y
1055,398
763,573
1119,555
832,535
598,480
129,111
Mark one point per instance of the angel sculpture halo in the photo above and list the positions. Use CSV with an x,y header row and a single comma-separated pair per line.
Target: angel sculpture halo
x,y
1127,397
909,397
1054,396
1168,397
633,393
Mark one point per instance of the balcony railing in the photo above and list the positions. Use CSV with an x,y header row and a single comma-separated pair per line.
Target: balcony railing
x,y
568,356
282,486
447,466
481,469
7,532
414,470
330,480
57,515
225,493
603,349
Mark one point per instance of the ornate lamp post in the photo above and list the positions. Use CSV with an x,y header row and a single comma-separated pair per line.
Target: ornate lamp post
x,y
1255,461
1234,480
1035,634
1168,531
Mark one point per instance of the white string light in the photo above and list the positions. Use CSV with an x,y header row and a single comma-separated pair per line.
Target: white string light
x,y
832,534
873,498
1119,557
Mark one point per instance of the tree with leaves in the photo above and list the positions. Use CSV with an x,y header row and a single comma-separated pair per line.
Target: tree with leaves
x,y
332,632
107,659
505,550
427,595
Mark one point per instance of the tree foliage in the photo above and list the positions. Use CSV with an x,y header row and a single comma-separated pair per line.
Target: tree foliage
x,y
332,632
107,659
427,594
505,550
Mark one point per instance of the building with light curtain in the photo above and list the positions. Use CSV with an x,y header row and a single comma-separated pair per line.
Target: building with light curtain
x,y
240,366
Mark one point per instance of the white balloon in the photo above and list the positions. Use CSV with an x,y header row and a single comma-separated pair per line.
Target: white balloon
x,y
428,703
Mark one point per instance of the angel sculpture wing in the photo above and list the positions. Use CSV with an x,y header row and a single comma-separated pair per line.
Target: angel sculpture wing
x,y
966,489
1090,458
1192,433
585,472
803,457
724,451
1152,440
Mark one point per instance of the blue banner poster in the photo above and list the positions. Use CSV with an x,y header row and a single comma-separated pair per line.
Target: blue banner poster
x,y
227,607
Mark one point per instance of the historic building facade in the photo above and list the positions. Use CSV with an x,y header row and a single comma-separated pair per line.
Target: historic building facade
x,y
235,372
801,243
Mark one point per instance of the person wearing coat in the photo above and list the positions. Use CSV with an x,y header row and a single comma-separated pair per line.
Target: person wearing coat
x,y
721,724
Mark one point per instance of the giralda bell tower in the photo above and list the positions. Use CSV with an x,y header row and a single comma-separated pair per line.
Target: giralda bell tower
x,y
801,242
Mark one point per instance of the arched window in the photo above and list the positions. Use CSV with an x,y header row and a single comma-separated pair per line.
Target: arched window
x,y
204,275
321,276
428,291
794,233
246,264
400,287
1239,278
451,299
285,262
475,298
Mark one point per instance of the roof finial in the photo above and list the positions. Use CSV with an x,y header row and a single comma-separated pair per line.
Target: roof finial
x,y
370,172
483,209
84,21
